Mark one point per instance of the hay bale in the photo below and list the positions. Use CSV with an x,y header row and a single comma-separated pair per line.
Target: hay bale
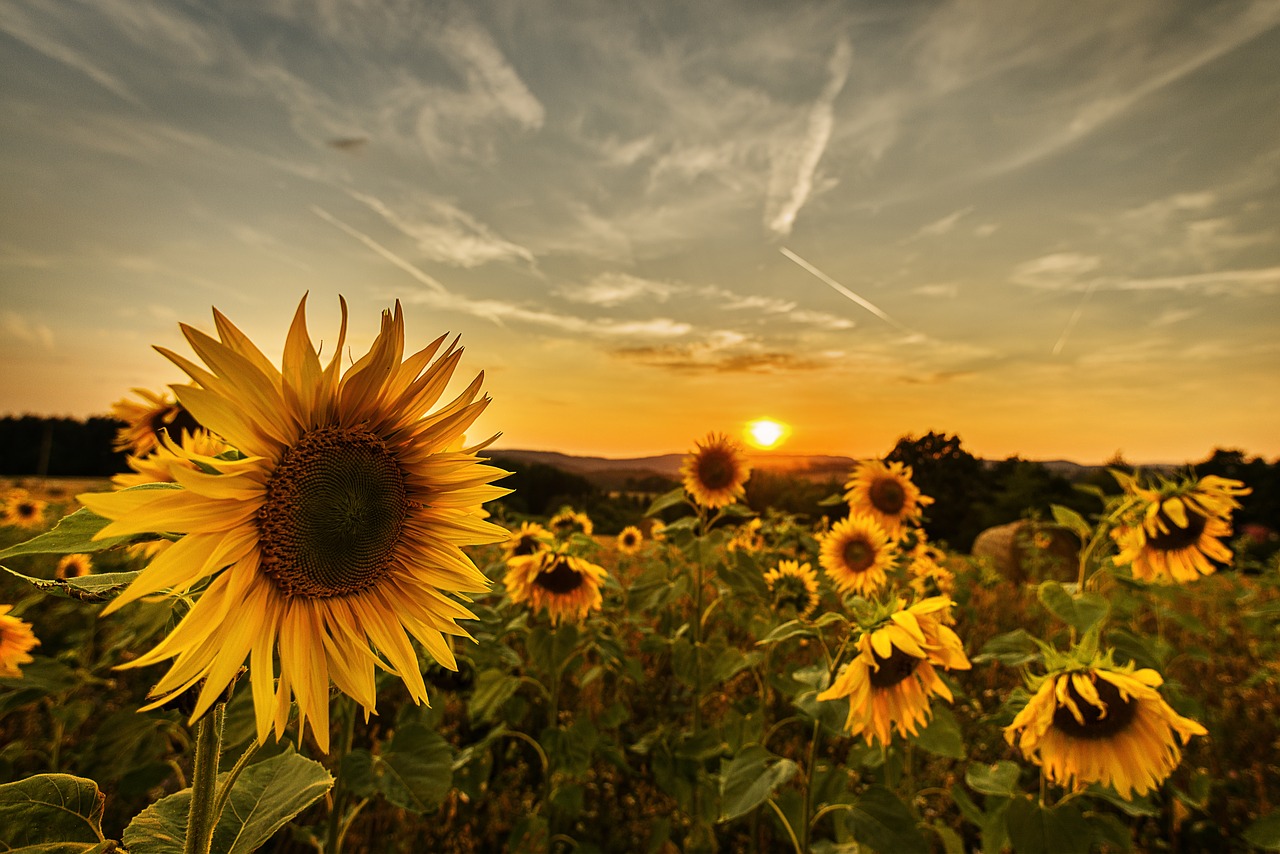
x,y
1026,551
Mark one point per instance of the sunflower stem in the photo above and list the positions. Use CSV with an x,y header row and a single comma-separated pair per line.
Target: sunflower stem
x,y
204,777
336,832
809,769
697,660
224,789
786,825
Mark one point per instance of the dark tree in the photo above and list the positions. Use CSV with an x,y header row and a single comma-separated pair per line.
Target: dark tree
x,y
954,478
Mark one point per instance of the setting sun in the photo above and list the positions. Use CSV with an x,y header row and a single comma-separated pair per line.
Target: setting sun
x,y
765,433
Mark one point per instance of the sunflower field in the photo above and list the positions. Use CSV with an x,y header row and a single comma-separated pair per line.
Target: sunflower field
x,y
304,620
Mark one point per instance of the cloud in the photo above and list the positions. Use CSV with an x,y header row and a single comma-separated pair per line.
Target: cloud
x,y
939,227
702,359
22,25
612,289
447,234
942,290
1058,271
1170,316
16,327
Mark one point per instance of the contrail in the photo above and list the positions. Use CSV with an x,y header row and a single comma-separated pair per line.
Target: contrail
x,y
839,288
1075,315
381,250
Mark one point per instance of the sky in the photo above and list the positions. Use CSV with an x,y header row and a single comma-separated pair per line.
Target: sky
x,y
1052,229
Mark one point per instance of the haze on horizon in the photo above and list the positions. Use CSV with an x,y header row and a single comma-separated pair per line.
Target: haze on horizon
x,y
1050,229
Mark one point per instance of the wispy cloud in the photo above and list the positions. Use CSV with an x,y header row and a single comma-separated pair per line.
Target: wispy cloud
x,y
16,327
1057,271
939,227
448,234
613,289
21,21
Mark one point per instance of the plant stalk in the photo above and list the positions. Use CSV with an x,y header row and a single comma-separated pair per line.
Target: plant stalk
x,y
204,779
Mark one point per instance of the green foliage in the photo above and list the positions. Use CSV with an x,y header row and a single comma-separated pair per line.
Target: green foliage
x,y
51,812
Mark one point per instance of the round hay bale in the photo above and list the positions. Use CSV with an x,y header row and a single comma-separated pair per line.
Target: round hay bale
x,y
1026,551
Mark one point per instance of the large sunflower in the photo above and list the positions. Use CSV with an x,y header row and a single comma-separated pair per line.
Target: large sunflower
x,y
16,640
885,492
335,538
145,421
530,538
562,585
890,681
715,472
1102,724
794,588
856,554
1174,532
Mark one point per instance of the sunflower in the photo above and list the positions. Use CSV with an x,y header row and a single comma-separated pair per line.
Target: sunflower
x,y
331,539
890,681
794,588
74,566
146,421
156,467
562,585
630,540
1102,724
714,474
568,522
24,511
856,553
530,538
927,570
16,640
1173,532
747,537
885,492
658,530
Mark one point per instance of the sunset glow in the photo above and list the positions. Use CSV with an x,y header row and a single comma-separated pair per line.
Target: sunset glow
x,y
766,434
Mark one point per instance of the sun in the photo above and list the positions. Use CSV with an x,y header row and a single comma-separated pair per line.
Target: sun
x,y
765,433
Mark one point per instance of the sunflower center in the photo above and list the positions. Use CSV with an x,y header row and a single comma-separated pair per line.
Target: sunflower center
x,y
26,510
892,670
858,555
1114,716
525,546
888,496
716,470
335,508
560,579
1173,537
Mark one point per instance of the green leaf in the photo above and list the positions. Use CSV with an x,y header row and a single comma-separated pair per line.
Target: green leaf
x,y
41,811
662,502
1068,518
787,630
1034,829
415,772
493,689
998,779
74,534
747,780
102,587
1012,649
1082,612
264,798
881,820
1265,832
942,735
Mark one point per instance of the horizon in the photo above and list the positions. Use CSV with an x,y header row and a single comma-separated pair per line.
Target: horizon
x,y
1052,231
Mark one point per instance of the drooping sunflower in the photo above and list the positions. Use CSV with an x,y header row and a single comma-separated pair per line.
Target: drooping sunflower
x,y
1102,724
530,538
74,566
630,540
793,587
145,421
890,682
16,641
885,492
568,522
1173,532
333,540
24,511
714,473
564,586
856,554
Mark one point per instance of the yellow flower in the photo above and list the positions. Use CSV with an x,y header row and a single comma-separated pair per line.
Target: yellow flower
x,y
333,541
24,511
926,567
747,537
569,522
794,587
564,586
630,540
74,566
145,421
157,466
1173,532
856,553
886,493
714,474
891,680
657,530
16,640
1102,725
530,538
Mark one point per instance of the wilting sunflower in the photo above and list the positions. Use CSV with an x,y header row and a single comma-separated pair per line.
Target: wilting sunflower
x,y
530,538
714,474
885,492
1174,532
890,681
73,566
157,466
793,587
630,540
568,522
564,586
146,421
1102,724
333,541
24,511
856,553
16,640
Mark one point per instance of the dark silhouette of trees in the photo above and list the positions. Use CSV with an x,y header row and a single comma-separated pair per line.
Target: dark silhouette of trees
x,y
60,447
954,478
